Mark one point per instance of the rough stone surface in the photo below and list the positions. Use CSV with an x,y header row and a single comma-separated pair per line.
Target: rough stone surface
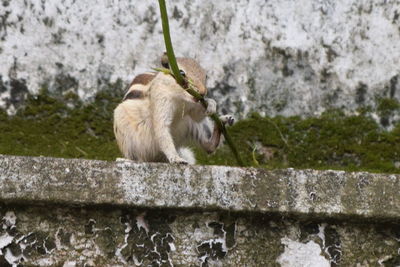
x,y
304,193
275,57
69,212
59,212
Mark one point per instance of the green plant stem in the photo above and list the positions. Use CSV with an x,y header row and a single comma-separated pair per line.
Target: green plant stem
x,y
186,85
168,44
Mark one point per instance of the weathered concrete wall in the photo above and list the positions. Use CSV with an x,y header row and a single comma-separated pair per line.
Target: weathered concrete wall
x,y
276,57
59,212
61,236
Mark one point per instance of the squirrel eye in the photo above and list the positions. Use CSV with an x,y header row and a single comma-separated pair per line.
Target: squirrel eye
x,y
182,73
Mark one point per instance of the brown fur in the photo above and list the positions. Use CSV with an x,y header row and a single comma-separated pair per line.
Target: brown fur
x,y
158,118
144,79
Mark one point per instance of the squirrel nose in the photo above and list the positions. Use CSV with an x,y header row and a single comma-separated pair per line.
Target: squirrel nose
x,y
202,90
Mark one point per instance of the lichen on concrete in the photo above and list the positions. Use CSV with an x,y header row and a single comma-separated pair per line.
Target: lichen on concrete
x,y
72,212
38,236
304,193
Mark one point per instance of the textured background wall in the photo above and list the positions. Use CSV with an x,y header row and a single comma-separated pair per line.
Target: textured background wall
x,y
276,57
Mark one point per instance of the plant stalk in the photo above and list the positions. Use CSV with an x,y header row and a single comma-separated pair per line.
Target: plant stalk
x,y
186,85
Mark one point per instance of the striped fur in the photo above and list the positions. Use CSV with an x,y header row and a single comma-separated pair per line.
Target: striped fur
x,y
158,120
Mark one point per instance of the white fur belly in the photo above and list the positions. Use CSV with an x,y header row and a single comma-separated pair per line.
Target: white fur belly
x,y
133,131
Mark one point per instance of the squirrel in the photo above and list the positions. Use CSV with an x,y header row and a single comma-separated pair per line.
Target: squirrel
x,y
158,119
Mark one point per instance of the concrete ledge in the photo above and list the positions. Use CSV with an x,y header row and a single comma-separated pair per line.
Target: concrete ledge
x,y
305,193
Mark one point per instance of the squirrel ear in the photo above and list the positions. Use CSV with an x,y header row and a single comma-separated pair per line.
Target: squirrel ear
x,y
164,60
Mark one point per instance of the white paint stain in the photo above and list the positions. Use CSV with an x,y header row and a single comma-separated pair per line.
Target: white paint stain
x,y
321,232
141,222
69,264
10,218
298,254
11,258
5,240
153,235
171,246
118,253
45,262
136,261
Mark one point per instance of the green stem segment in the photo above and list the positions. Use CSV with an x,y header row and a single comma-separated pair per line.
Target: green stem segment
x,y
168,44
186,85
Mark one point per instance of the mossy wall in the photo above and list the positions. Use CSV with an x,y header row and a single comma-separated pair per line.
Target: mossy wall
x,y
61,125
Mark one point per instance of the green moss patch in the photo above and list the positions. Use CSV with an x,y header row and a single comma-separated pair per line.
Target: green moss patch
x,y
63,126
331,141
